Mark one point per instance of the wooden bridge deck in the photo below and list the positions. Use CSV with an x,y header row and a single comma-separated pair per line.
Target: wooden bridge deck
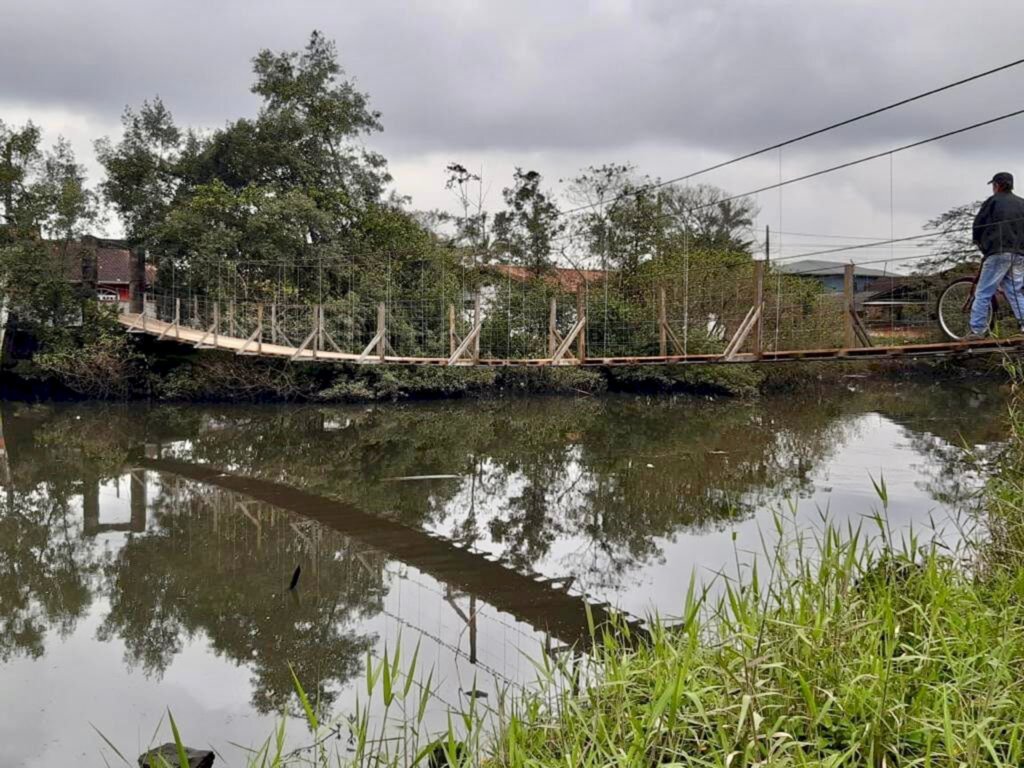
x,y
136,323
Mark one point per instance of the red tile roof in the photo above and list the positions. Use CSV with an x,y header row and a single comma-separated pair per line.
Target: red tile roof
x,y
568,280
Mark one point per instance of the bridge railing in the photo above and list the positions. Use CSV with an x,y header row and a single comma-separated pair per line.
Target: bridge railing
x,y
668,314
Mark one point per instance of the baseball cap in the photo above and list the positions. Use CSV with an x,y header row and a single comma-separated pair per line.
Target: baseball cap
x,y
1002,177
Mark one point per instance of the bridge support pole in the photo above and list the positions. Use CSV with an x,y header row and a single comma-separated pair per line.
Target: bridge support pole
x,y
476,324
216,321
320,328
453,342
581,317
273,323
662,323
194,320
382,315
137,281
850,334
552,327
231,318
759,303
177,319
315,333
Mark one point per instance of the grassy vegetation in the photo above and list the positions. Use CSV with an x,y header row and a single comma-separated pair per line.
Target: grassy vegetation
x,y
846,648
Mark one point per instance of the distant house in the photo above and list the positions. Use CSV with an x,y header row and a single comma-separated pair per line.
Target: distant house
x,y
113,267
831,274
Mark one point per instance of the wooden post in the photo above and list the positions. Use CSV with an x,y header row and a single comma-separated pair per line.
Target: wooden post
x,y
137,281
89,268
315,331
231,318
273,323
552,327
759,306
320,329
476,324
662,323
581,314
177,318
850,335
259,326
381,327
216,321
452,343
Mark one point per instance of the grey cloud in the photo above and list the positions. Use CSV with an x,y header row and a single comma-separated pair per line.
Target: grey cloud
x,y
473,76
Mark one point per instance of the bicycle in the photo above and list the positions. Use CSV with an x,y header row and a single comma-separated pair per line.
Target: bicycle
x,y
953,309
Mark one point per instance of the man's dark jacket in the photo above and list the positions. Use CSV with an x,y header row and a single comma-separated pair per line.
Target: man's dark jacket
x,y
999,225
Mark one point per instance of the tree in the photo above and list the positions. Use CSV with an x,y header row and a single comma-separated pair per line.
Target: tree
x,y
709,217
20,157
951,243
45,206
146,169
526,230
629,219
622,225
292,186
471,226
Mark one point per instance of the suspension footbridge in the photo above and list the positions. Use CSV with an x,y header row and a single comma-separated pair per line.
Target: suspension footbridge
x,y
686,314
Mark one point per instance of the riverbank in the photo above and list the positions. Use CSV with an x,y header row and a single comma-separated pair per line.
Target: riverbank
x,y
115,366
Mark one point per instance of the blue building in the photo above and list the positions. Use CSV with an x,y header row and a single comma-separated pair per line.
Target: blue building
x,y
831,274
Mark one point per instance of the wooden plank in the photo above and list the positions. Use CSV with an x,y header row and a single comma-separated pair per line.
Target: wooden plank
x,y
374,342
257,334
464,346
741,333
567,342
674,339
302,347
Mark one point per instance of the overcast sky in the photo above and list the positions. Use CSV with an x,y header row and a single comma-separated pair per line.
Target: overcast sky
x,y
669,85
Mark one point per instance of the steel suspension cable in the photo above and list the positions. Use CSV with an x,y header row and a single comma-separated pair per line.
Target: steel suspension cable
x,y
809,134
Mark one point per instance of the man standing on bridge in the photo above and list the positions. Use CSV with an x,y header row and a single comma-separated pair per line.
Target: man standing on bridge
x,y
999,233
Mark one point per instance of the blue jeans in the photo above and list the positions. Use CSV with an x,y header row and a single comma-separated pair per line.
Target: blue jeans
x,y
999,268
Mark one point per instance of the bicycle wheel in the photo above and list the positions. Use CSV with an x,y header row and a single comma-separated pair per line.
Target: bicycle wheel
x,y
954,309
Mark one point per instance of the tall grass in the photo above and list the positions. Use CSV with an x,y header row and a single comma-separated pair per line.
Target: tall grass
x,y
854,649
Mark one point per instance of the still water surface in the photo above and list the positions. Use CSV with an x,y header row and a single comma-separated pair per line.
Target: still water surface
x,y
145,553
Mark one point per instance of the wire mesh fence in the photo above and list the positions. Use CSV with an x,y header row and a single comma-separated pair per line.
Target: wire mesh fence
x,y
680,308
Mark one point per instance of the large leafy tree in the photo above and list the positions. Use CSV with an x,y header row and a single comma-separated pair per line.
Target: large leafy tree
x,y
45,205
622,222
526,231
627,219
292,186
710,218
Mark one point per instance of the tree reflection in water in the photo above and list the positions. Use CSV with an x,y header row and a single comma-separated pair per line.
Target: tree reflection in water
x,y
602,483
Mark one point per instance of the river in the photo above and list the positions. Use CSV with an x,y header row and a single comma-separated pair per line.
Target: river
x,y
146,552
